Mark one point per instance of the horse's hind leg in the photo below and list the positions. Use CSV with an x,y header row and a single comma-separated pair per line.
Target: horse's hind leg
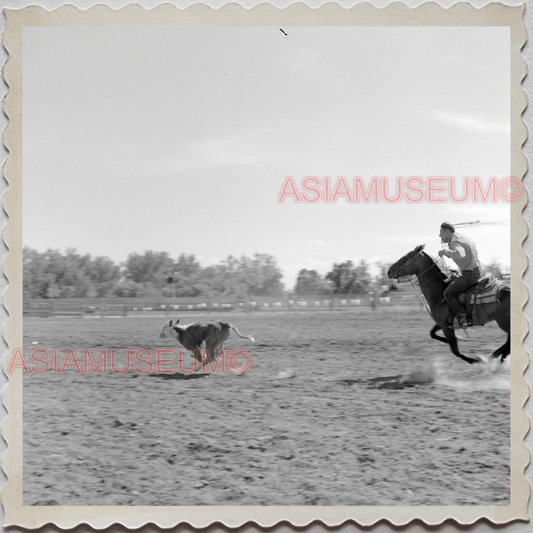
x,y
503,350
433,334
503,319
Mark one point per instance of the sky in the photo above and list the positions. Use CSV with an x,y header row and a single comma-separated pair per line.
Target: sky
x,y
181,139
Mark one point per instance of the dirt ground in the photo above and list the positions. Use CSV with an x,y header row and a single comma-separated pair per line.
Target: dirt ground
x,y
375,413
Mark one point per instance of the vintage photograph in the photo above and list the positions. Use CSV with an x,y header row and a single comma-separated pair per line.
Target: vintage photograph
x,y
267,265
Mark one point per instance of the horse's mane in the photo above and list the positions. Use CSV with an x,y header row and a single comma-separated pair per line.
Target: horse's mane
x,y
434,261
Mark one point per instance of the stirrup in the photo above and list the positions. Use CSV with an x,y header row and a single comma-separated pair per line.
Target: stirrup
x,y
463,322
460,323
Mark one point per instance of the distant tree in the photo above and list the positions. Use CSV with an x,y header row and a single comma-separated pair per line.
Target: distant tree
x,y
149,267
346,278
363,277
261,275
34,276
187,277
382,282
224,280
311,282
127,288
258,275
52,274
104,275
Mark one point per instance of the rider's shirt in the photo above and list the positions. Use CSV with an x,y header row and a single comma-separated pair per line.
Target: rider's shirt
x,y
463,252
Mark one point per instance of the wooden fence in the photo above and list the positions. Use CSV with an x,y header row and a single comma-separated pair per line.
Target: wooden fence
x,y
144,306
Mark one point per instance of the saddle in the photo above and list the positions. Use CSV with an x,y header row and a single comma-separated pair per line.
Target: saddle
x,y
485,291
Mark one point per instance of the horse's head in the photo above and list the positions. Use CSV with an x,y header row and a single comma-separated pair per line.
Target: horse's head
x,y
407,265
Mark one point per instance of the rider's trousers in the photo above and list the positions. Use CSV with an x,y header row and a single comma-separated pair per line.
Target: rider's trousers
x,y
460,285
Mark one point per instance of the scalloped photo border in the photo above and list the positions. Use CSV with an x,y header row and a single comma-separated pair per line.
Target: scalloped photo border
x,y
396,14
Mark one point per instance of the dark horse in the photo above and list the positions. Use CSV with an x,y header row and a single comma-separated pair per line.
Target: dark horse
x,y
432,284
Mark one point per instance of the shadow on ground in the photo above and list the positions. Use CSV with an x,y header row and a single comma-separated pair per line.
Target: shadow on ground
x,y
400,381
179,376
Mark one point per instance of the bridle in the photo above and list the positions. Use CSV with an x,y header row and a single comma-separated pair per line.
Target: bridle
x,y
398,273
409,276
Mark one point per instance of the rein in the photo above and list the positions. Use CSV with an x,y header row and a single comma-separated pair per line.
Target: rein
x,y
410,278
427,281
421,299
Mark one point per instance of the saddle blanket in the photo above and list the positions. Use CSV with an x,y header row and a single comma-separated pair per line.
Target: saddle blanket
x,y
478,299
485,291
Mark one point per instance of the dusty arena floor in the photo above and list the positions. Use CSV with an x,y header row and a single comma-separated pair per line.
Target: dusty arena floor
x,y
345,429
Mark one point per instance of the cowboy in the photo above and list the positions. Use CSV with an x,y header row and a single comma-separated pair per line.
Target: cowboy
x,y
462,250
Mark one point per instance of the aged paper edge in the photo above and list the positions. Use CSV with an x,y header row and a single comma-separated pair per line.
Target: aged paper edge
x,y
397,14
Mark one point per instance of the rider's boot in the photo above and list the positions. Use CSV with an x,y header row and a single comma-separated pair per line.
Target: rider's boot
x,y
463,321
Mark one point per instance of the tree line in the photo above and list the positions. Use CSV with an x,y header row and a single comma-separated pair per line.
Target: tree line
x,y
69,274
53,274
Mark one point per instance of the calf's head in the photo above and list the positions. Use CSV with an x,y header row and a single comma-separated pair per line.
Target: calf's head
x,y
168,330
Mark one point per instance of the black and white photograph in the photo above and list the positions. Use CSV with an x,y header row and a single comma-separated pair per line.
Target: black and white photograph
x,y
272,265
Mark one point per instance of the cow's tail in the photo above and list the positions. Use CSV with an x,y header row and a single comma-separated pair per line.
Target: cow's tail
x,y
251,337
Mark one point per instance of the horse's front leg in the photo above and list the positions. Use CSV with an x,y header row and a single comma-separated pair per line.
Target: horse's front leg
x,y
452,341
433,334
